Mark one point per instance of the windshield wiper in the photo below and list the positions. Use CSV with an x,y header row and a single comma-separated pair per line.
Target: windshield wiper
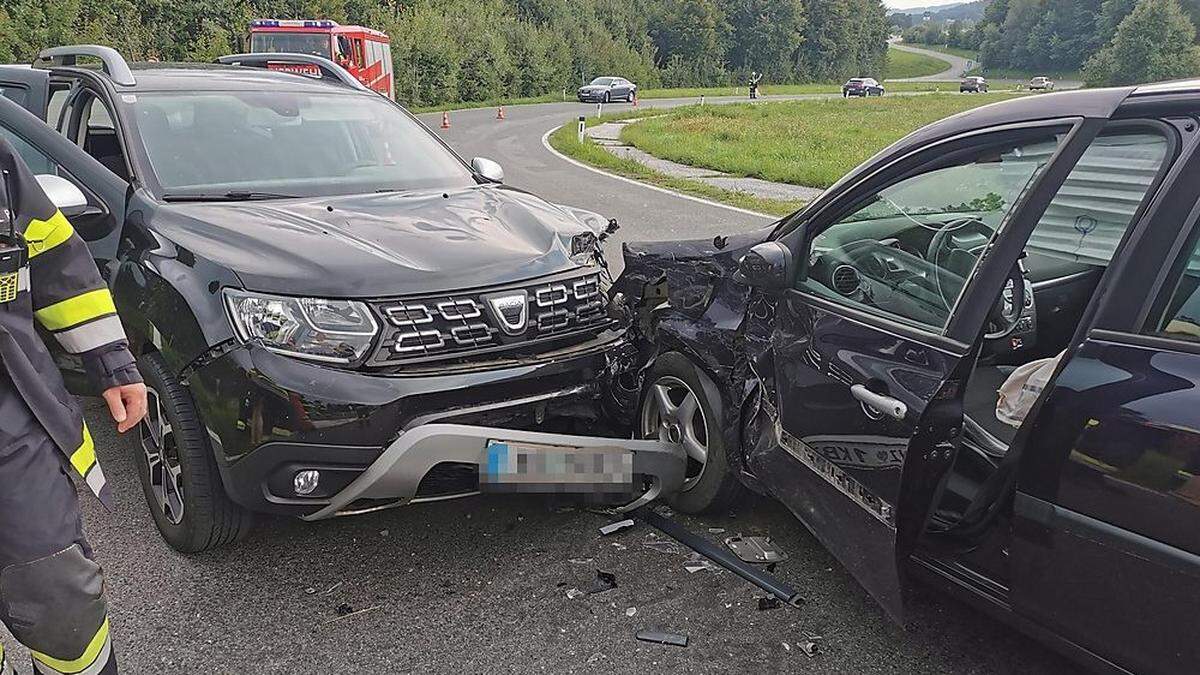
x,y
232,196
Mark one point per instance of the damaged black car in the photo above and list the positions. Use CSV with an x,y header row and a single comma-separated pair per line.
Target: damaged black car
x,y
333,312
973,361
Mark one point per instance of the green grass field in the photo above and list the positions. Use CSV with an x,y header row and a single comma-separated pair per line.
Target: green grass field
x,y
809,143
970,54
906,64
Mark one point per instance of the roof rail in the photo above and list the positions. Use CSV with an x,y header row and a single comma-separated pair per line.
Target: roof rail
x,y
110,59
317,66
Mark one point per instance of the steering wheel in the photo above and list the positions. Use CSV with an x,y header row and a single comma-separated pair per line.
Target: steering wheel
x,y
952,256
1006,313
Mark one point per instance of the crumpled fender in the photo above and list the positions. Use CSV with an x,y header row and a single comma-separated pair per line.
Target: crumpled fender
x,y
684,298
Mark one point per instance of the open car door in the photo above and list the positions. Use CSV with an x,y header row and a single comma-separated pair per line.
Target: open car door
x,y
27,87
897,278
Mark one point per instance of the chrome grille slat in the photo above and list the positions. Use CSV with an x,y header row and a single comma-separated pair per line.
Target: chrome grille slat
x,y
456,325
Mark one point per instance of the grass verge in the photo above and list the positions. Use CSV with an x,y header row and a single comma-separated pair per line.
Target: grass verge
x,y
969,54
565,140
812,143
907,64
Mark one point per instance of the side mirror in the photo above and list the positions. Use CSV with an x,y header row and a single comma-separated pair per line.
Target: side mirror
x,y
767,266
64,194
488,169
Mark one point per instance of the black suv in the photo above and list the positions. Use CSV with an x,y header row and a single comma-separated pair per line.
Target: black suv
x,y
334,313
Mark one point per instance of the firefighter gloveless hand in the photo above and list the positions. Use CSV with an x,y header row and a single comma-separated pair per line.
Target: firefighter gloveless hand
x,y
51,588
127,404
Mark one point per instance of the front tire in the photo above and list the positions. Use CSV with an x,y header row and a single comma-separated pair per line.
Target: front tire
x,y
606,97
178,469
681,404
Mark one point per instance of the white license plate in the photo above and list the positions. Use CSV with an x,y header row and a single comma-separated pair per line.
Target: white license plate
x,y
530,467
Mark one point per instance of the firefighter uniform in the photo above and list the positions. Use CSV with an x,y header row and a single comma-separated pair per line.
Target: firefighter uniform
x,y
51,591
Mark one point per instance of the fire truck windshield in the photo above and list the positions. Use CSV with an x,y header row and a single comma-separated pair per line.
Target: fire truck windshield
x,y
291,143
316,44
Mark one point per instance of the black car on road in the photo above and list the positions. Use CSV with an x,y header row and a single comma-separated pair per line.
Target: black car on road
x,y
607,89
333,312
862,86
974,361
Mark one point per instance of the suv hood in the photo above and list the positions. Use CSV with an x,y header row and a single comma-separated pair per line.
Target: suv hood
x,y
380,245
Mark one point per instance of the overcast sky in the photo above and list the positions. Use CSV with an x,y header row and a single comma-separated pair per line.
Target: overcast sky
x,y
905,4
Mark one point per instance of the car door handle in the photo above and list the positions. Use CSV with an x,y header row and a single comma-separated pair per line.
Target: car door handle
x,y
880,403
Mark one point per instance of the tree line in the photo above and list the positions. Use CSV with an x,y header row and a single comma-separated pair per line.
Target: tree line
x,y
465,50
1112,41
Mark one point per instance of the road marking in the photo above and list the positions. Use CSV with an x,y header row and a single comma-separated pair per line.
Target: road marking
x,y
602,172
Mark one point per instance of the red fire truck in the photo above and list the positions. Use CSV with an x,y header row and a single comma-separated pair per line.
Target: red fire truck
x,y
366,53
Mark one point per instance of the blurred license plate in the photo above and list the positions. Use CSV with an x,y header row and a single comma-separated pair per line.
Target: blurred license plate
x,y
529,467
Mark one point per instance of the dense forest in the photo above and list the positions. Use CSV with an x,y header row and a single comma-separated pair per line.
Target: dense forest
x,y
1112,41
462,50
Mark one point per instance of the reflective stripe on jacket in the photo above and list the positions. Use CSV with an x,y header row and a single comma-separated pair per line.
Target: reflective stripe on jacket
x,y
64,292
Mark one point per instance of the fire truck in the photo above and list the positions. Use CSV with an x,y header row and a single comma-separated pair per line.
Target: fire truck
x,y
365,52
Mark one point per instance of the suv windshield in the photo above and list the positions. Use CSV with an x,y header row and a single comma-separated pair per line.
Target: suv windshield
x,y
316,44
288,143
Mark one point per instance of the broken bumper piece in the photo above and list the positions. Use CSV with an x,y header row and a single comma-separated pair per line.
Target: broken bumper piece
x,y
513,461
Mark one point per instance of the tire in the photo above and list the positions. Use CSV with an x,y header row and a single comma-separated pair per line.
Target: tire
x,y
188,504
708,486
606,97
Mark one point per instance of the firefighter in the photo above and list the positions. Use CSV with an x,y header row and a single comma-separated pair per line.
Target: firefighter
x,y
51,591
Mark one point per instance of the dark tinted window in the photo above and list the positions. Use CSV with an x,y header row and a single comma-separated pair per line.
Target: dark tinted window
x,y
316,44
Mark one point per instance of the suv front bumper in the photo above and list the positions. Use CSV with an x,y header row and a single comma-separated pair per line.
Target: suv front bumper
x,y
394,478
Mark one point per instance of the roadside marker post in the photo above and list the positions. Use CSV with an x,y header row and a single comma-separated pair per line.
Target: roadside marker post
x,y
446,120
500,113
582,126
701,99
599,108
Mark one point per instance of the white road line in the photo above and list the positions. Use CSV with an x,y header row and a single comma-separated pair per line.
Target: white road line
x,y
602,172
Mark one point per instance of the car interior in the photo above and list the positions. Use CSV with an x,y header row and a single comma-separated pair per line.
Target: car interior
x,y
910,250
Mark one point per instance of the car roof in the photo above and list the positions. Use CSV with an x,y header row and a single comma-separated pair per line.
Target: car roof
x,y
167,76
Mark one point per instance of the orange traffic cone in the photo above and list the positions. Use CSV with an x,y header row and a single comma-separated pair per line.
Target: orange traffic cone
x,y
500,113
446,120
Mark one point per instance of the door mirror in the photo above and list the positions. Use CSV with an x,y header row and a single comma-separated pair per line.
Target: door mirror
x,y
767,266
488,169
63,194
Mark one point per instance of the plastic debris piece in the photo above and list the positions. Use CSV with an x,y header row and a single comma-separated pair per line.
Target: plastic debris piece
x,y
384,533
756,549
575,593
662,638
344,609
716,530
699,564
580,561
604,581
769,602
619,546
631,611
808,644
662,546
617,526
310,590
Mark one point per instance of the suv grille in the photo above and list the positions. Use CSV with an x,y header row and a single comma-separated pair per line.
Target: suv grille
x,y
451,326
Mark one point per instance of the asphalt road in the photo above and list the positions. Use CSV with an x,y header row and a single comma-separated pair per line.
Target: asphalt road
x,y
480,585
955,65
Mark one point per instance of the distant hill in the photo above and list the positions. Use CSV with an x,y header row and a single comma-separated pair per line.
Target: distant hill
x,y
960,11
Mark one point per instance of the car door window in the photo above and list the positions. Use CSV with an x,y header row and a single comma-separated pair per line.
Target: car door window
x,y
907,251
37,160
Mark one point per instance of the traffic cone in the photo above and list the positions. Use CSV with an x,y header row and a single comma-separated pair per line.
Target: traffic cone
x,y
500,113
446,120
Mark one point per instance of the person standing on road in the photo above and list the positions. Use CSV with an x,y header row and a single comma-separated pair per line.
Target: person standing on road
x,y
51,590
755,78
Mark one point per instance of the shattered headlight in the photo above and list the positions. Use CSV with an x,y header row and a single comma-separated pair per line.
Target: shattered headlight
x,y
334,331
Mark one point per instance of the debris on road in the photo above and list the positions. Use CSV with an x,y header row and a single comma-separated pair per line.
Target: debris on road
x,y
653,543
631,611
574,593
769,602
345,611
756,549
580,561
604,581
696,563
716,530
661,638
808,644
616,527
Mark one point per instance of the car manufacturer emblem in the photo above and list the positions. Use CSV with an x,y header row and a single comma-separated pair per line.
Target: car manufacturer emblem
x,y
511,311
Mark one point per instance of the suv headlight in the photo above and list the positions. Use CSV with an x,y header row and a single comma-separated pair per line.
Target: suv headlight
x,y
335,331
